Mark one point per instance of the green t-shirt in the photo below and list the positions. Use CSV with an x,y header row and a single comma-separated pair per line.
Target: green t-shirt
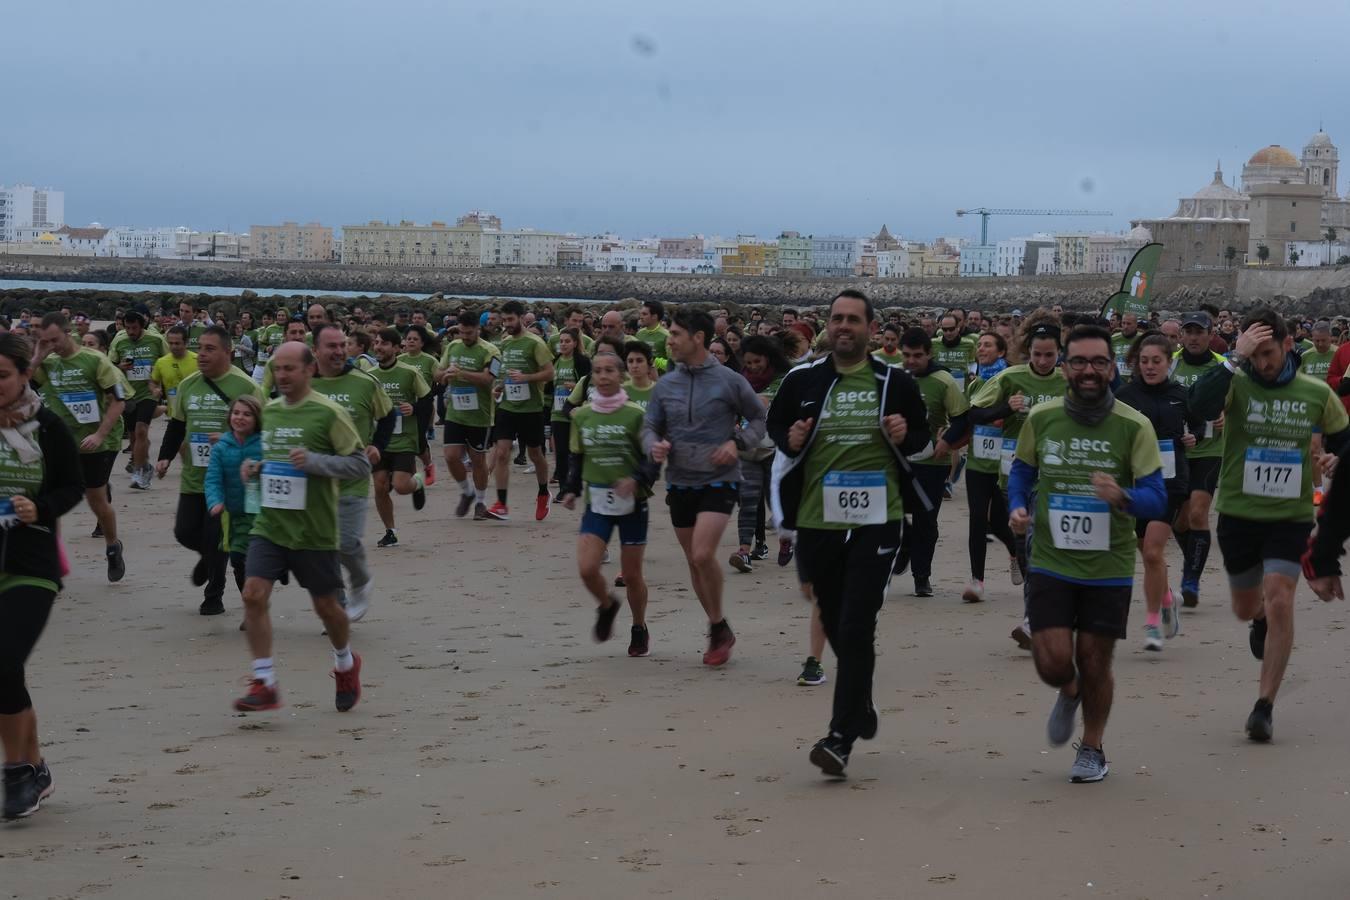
x,y
1266,475
1020,379
465,403
957,360
1120,349
1316,365
611,444
269,338
203,412
564,373
654,338
526,354
424,363
299,511
77,389
945,400
403,384
194,340
142,353
897,360
1210,444
363,399
640,397
985,440
1078,537
850,468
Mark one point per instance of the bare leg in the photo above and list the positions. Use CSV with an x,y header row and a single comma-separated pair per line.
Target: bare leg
x,y
590,556
140,445
540,460
630,561
700,547
1097,684
1052,651
384,504
335,620
403,483
257,620
503,466
454,463
1275,598
1153,548
101,506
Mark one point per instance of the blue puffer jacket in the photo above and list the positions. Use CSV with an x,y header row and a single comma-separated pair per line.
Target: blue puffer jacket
x,y
222,475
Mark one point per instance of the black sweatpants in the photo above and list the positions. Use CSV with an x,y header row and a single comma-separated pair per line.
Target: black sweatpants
x,y
562,450
23,615
849,572
199,531
921,538
988,515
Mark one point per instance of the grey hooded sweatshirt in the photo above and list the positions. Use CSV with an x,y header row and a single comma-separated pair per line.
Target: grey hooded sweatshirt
x,y
697,409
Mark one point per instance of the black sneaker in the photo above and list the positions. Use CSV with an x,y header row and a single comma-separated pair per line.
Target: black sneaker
x,y
830,754
520,458
604,620
419,498
23,796
465,504
389,539
785,550
760,551
199,573
1256,638
480,513
97,532
212,606
1261,724
901,560
641,641
922,588
44,780
117,566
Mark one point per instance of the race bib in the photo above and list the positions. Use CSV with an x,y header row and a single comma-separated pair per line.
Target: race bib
x,y
517,392
263,357
283,486
199,445
1168,451
1209,430
1123,367
140,370
464,399
1272,473
607,503
258,372
1080,523
560,396
83,406
8,517
1005,456
173,392
855,498
987,441
398,422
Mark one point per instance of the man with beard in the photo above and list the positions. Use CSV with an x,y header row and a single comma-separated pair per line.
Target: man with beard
x,y
527,366
1098,468
1120,343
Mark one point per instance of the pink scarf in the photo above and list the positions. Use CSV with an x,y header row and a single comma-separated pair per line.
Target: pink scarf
x,y
606,405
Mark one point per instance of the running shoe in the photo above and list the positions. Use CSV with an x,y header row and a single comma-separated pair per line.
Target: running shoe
x,y
1153,639
1190,594
117,566
1014,570
419,497
741,562
529,468
901,560
974,592
1089,766
604,620
720,642
1063,719
1256,637
1022,635
541,507
465,504
1261,724
131,469
348,685
498,511
830,755
520,458
358,604
1171,616
760,552
199,573
44,779
785,550
948,491
641,642
869,725
259,698
389,539
558,497
480,513
211,606
922,587
619,582
1317,497
97,532
22,794
429,474
812,673
138,483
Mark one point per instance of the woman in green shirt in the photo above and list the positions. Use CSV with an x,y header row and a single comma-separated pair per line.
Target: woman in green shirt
x,y
422,351
569,368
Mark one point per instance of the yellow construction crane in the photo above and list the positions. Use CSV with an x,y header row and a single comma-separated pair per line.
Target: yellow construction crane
x,y
985,212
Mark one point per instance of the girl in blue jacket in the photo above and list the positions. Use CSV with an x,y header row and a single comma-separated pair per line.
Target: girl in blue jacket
x,y
225,490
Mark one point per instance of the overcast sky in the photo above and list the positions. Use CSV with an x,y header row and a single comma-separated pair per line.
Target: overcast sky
x,y
644,118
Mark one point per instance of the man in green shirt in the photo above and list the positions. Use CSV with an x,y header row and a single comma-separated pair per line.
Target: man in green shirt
x,y
572,318
195,320
396,469
1265,503
362,397
650,330
527,368
199,414
844,425
310,446
135,355
270,336
1121,342
469,367
889,351
1088,467
88,392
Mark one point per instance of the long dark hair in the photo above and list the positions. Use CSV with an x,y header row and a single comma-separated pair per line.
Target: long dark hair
x,y
429,342
770,349
18,349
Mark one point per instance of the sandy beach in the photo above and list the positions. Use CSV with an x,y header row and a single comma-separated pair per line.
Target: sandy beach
x,y
498,752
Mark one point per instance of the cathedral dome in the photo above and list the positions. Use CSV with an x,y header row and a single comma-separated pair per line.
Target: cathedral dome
x,y
1321,139
1274,155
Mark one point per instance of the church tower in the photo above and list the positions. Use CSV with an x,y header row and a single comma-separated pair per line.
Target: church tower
x,y
1321,164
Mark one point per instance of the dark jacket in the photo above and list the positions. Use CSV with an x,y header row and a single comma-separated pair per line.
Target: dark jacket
x,y
1166,405
802,395
30,550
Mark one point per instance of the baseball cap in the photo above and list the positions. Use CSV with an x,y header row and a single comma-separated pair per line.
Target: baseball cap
x,y
1016,312
1197,318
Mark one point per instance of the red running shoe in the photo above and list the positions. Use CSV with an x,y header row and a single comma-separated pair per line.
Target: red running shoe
x,y
720,642
259,698
429,475
498,511
541,507
348,684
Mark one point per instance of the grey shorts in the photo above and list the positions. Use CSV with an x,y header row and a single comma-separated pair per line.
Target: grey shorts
x,y
317,571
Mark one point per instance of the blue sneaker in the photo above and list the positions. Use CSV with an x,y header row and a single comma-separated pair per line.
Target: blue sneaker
x,y
1190,594
1089,766
1063,719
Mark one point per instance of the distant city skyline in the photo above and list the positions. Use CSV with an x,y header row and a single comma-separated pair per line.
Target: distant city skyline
x,y
694,118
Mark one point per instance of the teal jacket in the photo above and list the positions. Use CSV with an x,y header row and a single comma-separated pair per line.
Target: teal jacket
x,y
222,475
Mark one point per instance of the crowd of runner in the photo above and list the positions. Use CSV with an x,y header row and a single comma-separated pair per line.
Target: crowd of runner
x,y
1078,442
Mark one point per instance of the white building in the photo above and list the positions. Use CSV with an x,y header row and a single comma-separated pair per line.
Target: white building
x,y
142,243
210,245
1319,253
26,212
1020,255
893,263
525,247
977,260
91,241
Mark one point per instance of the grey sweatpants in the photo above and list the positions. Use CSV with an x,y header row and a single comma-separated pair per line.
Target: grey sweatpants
x,y
351,529
754,484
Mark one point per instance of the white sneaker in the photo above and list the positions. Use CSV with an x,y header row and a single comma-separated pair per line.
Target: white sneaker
x,y
529,468
358,602
974,592
1014,570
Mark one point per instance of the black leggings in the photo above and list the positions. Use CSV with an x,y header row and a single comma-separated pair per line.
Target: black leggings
x,y
196,529
562,450
988,515
23,615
